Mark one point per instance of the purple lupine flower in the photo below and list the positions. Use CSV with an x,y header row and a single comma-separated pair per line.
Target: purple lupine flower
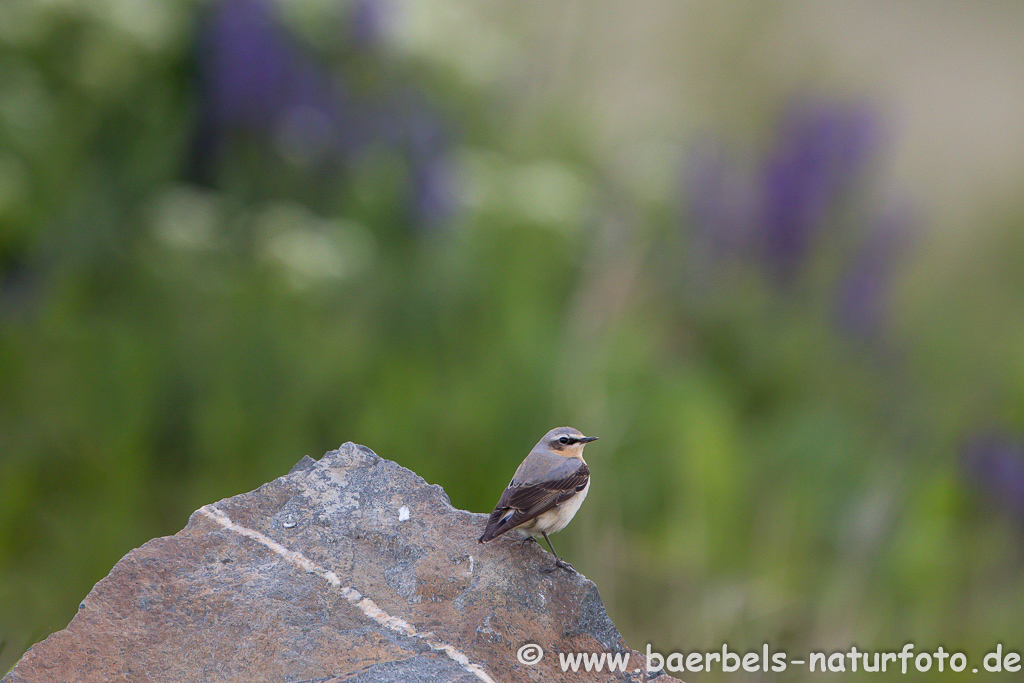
x,y
367,20
995,462
411,125
820,150
862,290
721,203
250,72
433,191
256,79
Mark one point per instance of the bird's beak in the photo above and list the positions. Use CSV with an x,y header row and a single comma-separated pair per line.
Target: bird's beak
x,y
588,439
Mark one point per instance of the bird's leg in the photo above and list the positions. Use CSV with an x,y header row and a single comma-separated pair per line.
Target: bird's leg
x,y
526,540
559,562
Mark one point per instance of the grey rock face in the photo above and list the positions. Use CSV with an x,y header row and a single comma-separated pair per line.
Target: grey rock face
x,y
347,569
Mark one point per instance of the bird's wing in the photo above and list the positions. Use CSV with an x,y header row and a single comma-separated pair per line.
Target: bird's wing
x,y
522,502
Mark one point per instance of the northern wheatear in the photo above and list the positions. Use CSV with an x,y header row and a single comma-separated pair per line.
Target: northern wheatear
x,y
545,492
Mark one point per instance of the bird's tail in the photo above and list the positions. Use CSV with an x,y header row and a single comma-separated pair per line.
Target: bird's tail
x,y
499,522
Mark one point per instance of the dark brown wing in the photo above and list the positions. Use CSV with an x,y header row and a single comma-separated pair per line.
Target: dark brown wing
x,y
522,502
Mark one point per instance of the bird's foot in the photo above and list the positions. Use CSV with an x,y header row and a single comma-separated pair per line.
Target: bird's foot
x,y
526,540
560,564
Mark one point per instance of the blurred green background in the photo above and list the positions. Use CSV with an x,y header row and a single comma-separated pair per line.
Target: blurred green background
x,y
771,253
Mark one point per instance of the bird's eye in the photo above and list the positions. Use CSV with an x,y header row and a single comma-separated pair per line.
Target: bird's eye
x,y
564,440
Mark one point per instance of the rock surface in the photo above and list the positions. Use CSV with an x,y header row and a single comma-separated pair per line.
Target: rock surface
x,y
347,569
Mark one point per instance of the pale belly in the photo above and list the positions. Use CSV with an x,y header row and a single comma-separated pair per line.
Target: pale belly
x,y
557,517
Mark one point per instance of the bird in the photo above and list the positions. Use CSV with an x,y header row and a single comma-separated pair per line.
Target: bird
x,y
545,492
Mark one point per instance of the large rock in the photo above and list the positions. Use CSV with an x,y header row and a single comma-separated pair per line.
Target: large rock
x,y
351,568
